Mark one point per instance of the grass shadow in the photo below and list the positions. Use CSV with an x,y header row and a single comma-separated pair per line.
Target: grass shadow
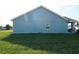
x,y
52,43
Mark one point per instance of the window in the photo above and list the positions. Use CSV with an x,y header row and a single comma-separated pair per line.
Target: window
x,y
47,26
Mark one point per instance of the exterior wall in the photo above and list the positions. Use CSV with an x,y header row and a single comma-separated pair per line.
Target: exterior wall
x,y
18,25
38,21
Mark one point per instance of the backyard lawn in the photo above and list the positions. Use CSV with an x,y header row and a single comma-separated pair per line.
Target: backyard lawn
x,y
38,43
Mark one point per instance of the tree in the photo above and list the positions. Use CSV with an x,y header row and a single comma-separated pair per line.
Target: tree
x,y
8,27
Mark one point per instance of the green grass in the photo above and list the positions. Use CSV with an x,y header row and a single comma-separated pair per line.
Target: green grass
x,y
38,43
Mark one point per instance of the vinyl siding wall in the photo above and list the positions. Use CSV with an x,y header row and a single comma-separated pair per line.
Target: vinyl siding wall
x,y
37,21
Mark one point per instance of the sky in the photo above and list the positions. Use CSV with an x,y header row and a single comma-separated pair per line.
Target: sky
x,y
10,9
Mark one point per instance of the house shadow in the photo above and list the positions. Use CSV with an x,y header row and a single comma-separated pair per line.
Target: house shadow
x,y
51,43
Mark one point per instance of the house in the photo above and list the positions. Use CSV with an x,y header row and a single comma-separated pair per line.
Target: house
x,y
2,28
42,20
72,24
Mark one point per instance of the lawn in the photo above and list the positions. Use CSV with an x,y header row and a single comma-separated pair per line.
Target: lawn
x,y
38,43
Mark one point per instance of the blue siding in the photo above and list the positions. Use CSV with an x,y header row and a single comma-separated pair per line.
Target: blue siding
x,y
38,20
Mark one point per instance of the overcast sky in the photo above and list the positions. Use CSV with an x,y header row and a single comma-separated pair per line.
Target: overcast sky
x,y
12,8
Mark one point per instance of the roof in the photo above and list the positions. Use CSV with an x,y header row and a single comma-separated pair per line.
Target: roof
x,y
64,18
70,19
